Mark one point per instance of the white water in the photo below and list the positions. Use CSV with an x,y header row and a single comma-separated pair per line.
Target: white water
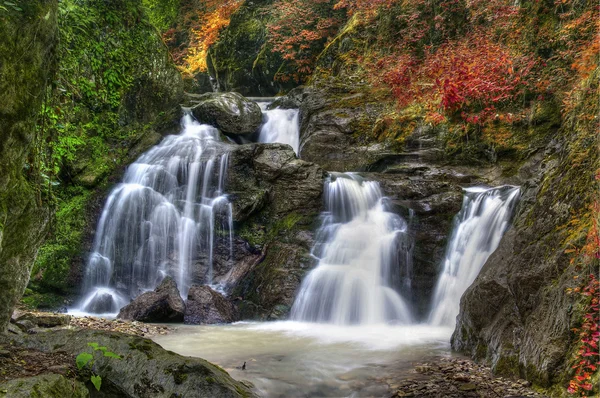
x,y
280,125
167,217
478,228
294,359
356,280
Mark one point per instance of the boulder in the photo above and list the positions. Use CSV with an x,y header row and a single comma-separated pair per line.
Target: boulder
x,y
164,304
145,370
206,306
230,112
49,385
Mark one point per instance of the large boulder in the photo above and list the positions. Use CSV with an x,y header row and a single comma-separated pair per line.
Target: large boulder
x,y
145,370
230,112
164,304
206,306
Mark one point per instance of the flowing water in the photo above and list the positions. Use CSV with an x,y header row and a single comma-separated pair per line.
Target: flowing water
x,y
352,332
280,125
292,359
478,228
167,217
357,278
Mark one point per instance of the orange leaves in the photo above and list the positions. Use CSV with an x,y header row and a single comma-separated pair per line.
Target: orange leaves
x,y
214,17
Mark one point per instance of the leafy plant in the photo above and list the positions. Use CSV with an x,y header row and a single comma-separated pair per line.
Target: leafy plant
x,y
86,359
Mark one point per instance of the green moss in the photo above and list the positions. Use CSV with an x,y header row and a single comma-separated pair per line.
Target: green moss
x,y
507,365
142,345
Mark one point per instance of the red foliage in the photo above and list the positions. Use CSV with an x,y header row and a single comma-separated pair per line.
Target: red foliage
x,y
299,30
589,335
474,73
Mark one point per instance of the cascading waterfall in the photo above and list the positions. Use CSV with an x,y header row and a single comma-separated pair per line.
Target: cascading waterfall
x,y
356,280
166,218
477,230
280,125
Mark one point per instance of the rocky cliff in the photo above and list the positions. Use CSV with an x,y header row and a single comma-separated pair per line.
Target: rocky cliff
x,y
28,64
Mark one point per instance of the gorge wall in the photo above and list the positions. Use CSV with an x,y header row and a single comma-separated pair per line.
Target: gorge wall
x,y
28,66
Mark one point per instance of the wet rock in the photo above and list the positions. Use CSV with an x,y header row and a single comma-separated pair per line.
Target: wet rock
x,y
101,304
230,112
25,325
145,370
276,200
164,304
206,306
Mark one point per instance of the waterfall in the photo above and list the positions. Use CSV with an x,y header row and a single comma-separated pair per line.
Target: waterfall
x,y
356,280
280,125
167,217
478,228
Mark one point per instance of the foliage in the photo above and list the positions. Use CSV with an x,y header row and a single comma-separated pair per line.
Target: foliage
x,y
162,13
210,19
86,359
54,261
108,52
299,31
588,335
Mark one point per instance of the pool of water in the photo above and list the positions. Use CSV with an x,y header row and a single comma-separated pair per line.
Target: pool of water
x,y
293,359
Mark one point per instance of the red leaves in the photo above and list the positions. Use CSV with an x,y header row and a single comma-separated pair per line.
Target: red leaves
x,y
589,334
472,73
299,30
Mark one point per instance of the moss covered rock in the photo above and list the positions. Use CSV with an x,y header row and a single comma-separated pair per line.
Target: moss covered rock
x,y
44,386
232,113
145,370
27,65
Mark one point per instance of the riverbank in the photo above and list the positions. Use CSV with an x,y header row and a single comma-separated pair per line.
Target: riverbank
x,y
32,322
457,378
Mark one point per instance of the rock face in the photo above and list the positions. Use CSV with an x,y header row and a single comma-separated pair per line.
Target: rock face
x,y
517,315
27,65
230,112
276,201
164,304
205,306
145,370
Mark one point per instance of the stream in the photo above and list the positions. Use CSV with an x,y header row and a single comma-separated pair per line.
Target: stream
x,y
295,359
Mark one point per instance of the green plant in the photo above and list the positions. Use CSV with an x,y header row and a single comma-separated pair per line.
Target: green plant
x,y
86,359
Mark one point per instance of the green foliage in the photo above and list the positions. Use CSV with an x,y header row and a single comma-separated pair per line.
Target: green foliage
x,y
53,263
162,13
113,82
86,360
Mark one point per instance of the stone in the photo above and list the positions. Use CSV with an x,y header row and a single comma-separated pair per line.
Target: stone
x,y
44,319
45,385
164,304
146,370
229,112
206,306
102,303
276,200
468,387
25,325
